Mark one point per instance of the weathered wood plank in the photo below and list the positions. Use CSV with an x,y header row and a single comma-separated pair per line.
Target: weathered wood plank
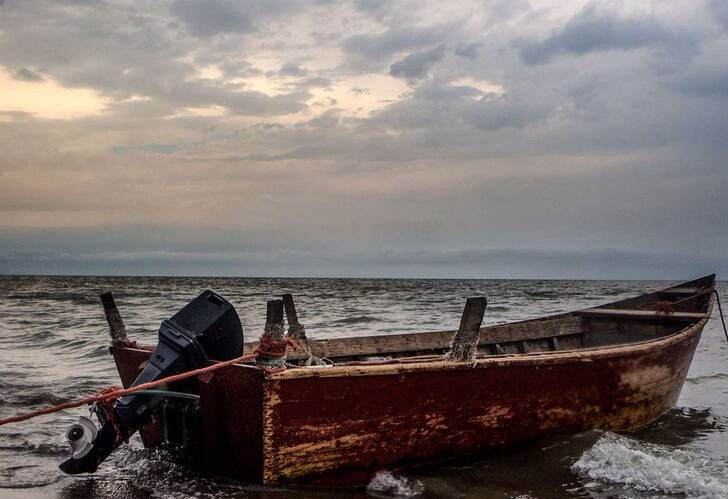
x,y
113,317
464,343
618,313
290,307
437,341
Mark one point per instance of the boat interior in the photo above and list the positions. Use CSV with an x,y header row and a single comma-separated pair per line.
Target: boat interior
x,y
645,317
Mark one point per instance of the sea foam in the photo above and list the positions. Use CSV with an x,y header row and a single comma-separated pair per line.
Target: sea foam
x,y
643,466
386,484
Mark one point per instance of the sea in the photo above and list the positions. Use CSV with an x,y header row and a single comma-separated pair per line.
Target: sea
x,y
54,347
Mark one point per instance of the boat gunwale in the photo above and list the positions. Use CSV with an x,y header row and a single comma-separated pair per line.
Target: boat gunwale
x,y
586,354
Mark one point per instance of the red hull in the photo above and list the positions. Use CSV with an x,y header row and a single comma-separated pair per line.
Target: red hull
x,y
332,425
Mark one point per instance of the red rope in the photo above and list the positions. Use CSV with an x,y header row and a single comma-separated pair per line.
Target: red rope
x,y
107,405
113,393
274,349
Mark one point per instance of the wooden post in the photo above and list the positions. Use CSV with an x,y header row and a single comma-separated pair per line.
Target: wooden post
x,y
464,343
297,333
274,320
295,328
272,349
113,317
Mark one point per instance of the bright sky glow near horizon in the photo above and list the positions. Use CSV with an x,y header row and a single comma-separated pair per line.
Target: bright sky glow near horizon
x,y
505,138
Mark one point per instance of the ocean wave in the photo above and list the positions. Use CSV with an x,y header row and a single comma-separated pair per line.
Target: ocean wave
x,y
50,449
698,380
642,466
32,399
357,319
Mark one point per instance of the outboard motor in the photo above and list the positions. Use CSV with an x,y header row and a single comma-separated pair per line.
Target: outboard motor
x,y
208,328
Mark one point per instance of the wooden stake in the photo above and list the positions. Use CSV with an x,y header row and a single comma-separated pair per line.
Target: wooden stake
x,y
464,343
272,347
290,308
295,328
297,333
113,317
274,321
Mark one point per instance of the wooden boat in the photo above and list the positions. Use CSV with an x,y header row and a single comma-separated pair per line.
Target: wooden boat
x,y
618,366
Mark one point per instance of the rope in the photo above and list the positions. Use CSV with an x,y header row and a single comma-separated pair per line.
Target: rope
x,y
720,309
106,407
300,343
272,347
114,393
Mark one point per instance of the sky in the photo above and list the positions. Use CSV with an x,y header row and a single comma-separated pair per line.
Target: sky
x,y
465,139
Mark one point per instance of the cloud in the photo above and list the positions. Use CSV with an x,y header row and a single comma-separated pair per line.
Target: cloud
x,y
210,17
719,9
396,40
440,105
315,82
417,64
377,8
501,11
595,29
706,83
167,250
292,69
507,112
25,74
227,125
468,50
204,18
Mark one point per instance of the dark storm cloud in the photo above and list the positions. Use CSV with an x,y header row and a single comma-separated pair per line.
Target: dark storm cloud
x,y
596,29
417,64
25,74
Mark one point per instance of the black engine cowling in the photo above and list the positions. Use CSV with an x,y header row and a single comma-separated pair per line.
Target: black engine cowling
x,y
207,328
